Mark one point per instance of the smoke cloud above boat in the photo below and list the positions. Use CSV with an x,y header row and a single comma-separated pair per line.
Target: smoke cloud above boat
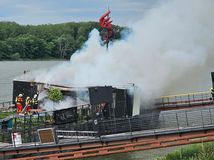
x,y
169,50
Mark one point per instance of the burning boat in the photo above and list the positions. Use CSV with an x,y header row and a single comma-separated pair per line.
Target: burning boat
x,y
93,107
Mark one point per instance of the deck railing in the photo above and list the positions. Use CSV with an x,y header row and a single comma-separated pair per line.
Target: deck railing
x,y
4,106
189,99
151,123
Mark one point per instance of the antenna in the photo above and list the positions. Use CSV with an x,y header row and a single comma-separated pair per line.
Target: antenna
x,y
108,5
108,17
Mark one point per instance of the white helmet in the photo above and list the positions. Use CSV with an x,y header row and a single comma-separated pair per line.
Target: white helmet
x,y
35,95
20,95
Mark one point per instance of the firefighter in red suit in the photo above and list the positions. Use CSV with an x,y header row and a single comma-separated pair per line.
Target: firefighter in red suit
x,y
28,104
19,101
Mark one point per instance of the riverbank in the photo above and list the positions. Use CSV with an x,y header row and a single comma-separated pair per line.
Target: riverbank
x,y
201,151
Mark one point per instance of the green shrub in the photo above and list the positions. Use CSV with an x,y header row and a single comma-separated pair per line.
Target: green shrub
x,y
203,151
55,94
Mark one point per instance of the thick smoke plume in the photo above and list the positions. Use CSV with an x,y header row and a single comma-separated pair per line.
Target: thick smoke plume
x,y
170,50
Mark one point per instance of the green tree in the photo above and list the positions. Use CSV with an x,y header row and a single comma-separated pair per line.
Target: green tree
x,y
44,41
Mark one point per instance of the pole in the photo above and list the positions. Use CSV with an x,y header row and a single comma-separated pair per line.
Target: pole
x,y
107,45
177,120
107,30
108,5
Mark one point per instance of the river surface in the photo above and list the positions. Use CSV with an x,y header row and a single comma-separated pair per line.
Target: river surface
x,y
10,70
13,69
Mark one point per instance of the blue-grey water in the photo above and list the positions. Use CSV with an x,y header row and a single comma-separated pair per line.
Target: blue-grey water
x,y
12,69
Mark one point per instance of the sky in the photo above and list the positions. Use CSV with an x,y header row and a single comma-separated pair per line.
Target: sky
x,y
59,11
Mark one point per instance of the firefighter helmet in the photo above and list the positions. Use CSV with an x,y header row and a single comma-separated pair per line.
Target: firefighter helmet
x,y
20,95
35,96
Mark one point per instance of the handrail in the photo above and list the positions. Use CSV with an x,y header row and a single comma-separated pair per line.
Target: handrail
x,y
4,106
69,131
185,100
186,94
167,122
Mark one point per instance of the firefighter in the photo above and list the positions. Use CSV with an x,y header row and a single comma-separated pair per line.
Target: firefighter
x,y
19,101
212,93
27,104
35,101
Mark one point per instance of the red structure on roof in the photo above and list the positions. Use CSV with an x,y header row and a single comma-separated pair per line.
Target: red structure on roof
x,y
105,23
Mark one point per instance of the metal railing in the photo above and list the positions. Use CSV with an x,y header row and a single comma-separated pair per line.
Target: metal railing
x,y
5,106
69,134
37,120
150,123
189,99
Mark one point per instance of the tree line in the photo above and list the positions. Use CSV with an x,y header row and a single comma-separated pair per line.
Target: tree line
x,y
49,41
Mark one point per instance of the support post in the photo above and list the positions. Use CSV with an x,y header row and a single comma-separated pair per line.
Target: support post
x,y
177,120
187,119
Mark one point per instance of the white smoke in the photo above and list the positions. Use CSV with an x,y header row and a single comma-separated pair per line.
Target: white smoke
x,y
49,105
81,99
170,50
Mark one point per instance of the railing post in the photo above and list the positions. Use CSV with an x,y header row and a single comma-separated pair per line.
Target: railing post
x,y
162,100
189,100
168,101
187,119
15,123
38,119
211,121
177,121
77,136
115,126
130,126
164,124
24,121
45,119
34,137
13,140
202,97
202,118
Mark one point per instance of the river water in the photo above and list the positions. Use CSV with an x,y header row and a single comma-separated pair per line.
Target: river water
x,y
12,69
